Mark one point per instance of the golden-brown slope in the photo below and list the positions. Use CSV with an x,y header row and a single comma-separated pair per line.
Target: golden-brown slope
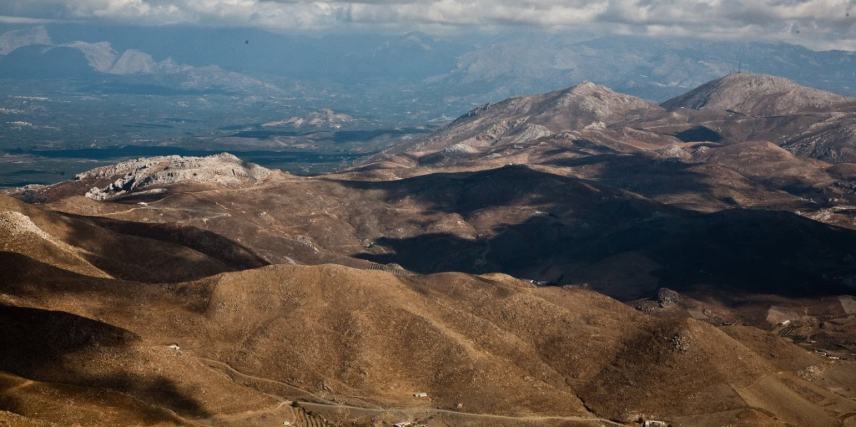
x,y
349,338
144,252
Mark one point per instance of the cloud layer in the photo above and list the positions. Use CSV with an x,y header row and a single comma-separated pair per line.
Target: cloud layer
x,y
823,24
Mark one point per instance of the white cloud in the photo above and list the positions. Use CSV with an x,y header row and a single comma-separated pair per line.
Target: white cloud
x,y
24,20
815,23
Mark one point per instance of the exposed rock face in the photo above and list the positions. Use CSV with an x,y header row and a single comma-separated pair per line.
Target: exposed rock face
x,y
134,175
134,62
680,342
667,297
756,95
12,40
101,56
321,118
833,140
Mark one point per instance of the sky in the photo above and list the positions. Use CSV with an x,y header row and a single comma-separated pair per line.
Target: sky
x,y
817,24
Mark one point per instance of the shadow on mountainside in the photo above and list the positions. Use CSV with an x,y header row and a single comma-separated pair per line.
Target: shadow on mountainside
x,y
22,276
149,252
621,244
466,193
739,250
640,174
227,251
750,173
40,344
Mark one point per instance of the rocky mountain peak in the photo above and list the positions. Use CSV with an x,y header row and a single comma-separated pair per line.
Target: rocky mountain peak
x,y
586,105
587,87
755,94
601,102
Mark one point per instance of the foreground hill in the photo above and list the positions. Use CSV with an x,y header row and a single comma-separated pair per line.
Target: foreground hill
x,y
152,252
529,223
514,219
330,344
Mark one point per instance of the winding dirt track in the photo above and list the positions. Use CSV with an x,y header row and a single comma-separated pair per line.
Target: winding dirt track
x,y
320,405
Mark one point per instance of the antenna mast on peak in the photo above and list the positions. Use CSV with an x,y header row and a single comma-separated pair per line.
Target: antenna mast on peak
x,y
740,54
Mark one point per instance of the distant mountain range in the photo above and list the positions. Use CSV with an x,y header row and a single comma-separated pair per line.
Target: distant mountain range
x,y
648,67
413,75
30,53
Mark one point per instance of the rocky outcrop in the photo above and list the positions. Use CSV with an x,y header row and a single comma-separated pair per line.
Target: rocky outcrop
x,y
134,175
14,39
101,56
324,118
667,297
133,61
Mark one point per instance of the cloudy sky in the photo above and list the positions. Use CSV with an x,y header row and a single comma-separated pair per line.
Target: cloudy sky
x,y
819,24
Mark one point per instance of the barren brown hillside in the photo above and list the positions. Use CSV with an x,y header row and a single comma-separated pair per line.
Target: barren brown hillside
x,y
362,344
580,257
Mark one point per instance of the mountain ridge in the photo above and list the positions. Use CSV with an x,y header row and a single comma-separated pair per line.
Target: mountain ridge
x,y
320,335
102,59
577,257
755,94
